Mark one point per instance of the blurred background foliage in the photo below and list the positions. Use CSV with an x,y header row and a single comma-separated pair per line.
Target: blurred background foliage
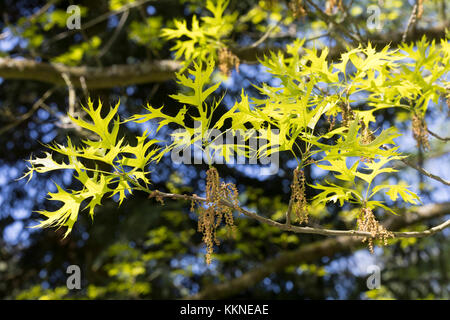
x,y
144,250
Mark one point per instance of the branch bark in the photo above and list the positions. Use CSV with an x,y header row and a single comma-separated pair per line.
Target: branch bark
x,y
155,71
95,77
311,252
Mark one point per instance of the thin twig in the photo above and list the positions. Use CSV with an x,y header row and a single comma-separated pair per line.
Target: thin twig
x,y
113,38
84,87
27,115
438,137
41,11
265,35
97,20
425,233
411,21
332,21
425,172
305,230
69,84
65,122
421,170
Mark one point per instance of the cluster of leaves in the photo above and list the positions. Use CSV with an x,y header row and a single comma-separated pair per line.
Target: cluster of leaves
x,y
312,91
105,165
205,37
147,32
77,52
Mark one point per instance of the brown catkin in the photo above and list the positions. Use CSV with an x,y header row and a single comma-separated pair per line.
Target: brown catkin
x,y
419,9
331,4
366,138
447,99
367,222
332,121
448,105
420,132
297,8
298,198
157,196
214,212
347,113
227,61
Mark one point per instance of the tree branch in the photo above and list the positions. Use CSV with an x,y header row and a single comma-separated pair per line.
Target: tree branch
x,y
311,252
446,139
306,230
27,115
156,71
72,94
411,21
421,170
425,172
95,77
332,22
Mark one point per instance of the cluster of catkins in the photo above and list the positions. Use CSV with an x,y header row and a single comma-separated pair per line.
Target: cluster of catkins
x,y
367,222
214,211
227,61
298,198
366,138
297,8
420,132
347,113
332,4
